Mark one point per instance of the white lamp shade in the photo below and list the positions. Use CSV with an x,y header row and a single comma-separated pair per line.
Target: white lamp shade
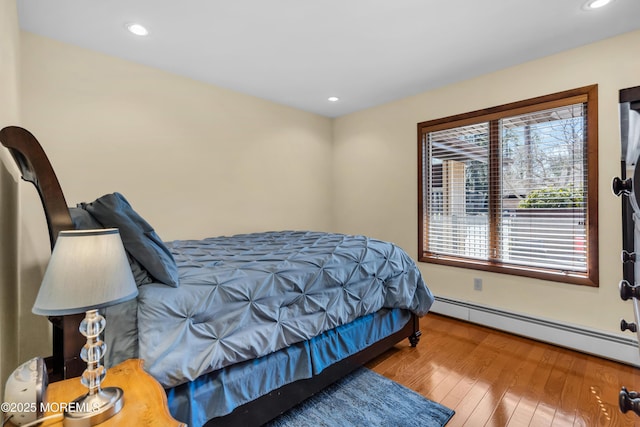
x,y
88,270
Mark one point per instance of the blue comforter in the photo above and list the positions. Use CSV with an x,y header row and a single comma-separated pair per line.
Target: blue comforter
x,y
245,296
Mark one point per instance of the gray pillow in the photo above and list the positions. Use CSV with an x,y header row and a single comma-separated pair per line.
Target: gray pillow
x,y
82,220
139,238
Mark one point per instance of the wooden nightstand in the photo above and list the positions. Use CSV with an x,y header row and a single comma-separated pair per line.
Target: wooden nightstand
x,y
145,402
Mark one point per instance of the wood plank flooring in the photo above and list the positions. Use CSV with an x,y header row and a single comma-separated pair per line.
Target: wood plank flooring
x,y
491,378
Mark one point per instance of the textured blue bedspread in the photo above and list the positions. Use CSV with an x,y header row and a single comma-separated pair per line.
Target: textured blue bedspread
x,y
246,296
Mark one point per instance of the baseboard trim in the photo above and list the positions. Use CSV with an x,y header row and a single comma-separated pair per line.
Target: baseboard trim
x,y
598,343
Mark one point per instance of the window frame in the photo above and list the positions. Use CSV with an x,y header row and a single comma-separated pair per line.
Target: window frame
x,y
587,94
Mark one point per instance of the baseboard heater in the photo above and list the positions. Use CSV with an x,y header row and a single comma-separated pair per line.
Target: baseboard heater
x,y
597,343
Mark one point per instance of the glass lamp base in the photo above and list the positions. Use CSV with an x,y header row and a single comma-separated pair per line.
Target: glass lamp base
x,y
89,410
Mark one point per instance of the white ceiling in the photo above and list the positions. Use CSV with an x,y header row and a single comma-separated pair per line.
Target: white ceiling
x,y
300,52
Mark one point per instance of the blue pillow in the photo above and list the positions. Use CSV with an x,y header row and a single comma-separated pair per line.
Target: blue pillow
x,y
138,237
82,220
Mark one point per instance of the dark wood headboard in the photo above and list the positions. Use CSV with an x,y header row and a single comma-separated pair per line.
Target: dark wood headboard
x,y
36,168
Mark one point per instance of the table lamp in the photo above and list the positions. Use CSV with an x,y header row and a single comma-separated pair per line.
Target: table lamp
x,y
88,270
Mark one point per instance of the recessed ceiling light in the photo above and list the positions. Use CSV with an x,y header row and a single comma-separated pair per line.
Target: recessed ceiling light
x,y
333,99
596,4
137,29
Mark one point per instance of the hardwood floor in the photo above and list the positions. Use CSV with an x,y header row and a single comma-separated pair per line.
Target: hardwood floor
x,y
491,378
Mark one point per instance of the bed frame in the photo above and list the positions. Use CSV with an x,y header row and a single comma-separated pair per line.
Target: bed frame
x,y
67,341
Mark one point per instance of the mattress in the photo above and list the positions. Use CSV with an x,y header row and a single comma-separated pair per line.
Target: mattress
x,y
246,296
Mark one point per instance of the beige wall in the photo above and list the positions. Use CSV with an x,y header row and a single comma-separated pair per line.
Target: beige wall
x,y
195,160
9,114
375,187
23,251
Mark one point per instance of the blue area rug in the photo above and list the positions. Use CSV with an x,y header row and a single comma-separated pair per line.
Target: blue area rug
x,y
365,398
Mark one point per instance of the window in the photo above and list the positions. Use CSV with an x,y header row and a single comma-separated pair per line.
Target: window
x,y
513,189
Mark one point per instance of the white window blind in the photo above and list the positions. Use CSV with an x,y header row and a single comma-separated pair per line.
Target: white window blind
x,y
543,177
458,191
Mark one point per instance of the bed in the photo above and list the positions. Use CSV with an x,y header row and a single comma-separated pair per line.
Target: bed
x,y
237,329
